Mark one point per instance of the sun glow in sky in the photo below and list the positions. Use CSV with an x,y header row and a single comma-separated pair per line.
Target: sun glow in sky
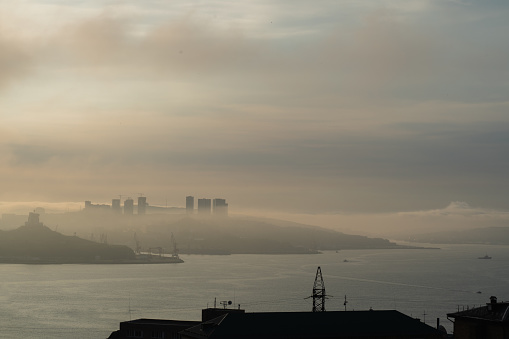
x,y
296,106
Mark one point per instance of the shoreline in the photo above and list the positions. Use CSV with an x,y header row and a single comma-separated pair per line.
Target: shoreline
x,y
63,261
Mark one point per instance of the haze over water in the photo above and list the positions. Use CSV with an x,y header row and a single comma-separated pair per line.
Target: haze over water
x,y
89,301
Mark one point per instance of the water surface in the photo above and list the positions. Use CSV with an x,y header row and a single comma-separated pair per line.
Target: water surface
x,y
89,301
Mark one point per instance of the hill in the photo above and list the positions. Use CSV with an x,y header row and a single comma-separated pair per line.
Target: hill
x,y
34,242
245,235
198,234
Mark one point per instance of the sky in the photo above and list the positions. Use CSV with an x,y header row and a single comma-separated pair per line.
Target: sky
x,y
322,107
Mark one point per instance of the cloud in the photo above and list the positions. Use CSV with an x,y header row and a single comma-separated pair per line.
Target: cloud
x,y
456,208
303,165
24,207
30,155
15,61
384,54
454,217
379,106
386,50
165,50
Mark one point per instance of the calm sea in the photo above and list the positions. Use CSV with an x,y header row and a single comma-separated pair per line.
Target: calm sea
x,y
89,301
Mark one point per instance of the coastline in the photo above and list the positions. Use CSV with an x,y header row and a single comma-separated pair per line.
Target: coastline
x,y
63,261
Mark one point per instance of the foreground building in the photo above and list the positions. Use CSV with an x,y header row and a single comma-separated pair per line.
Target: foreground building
x,y
161,328
486,322
236,324
151,329
310,325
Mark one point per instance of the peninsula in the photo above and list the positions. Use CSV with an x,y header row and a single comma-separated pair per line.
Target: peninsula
x,y
35,243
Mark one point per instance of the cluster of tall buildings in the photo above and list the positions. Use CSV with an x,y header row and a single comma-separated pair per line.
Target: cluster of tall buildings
x,y
206,206
117,208
217,207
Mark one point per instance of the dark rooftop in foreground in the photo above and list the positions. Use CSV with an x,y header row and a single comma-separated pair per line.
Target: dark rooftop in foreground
x,y
493,311
160,322
349,324
485,322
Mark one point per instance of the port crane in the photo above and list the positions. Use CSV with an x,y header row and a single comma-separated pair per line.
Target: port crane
x,y
137,242
175,253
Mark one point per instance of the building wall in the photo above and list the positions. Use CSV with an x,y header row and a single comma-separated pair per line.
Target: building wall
x,y
479,329
190,204
142,205
204,206
220,207
115,205
131,330
129,206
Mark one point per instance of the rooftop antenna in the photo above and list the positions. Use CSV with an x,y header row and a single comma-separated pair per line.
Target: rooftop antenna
x,y
130,309
318,295
225,303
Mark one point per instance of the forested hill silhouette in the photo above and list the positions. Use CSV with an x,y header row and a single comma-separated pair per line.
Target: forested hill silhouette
x,y
36,243
246,235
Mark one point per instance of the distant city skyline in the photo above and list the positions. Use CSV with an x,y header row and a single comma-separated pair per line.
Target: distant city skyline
x,y
206,206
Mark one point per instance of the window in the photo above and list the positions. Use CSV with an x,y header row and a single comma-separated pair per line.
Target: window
x,y
157,335
133,333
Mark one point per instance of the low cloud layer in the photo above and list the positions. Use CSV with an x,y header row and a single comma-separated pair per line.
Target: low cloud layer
x,y
457,216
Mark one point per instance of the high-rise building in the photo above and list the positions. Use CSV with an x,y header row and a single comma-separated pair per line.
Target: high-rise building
x,y
220,207
190,204
142,205
115,205
128,206
204,206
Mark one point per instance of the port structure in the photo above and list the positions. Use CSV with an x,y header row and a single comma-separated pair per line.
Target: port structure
x,y
138,244
175,253
318,295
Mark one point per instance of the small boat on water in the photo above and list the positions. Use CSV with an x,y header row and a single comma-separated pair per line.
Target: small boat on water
x,y
485,257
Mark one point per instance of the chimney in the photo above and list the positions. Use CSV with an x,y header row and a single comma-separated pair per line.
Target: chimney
x,y
491,305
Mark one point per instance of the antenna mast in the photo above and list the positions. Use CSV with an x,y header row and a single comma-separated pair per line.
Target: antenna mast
x,y
319,295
